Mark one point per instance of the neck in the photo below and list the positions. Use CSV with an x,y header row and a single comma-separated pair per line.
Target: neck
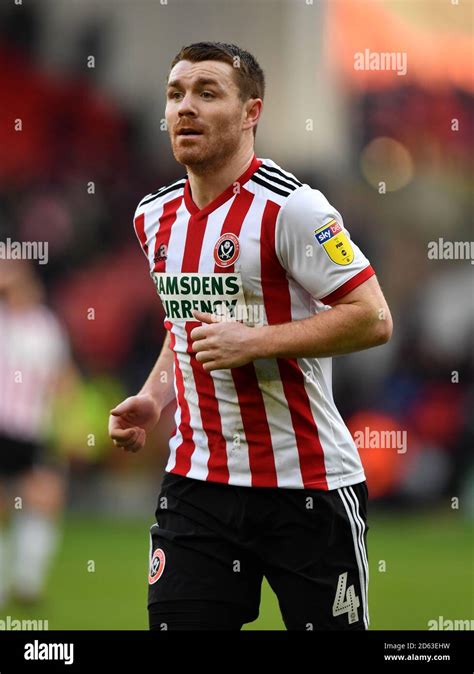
x,y
207,182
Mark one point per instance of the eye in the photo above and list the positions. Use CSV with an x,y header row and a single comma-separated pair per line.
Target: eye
x,y
174,94
207,94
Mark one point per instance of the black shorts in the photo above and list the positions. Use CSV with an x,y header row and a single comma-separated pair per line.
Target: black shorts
x,y
17,456
213,543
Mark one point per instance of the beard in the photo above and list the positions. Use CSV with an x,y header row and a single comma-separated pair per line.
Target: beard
x,y
211,152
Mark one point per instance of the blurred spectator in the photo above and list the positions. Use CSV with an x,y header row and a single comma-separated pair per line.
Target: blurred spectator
x,y
35,367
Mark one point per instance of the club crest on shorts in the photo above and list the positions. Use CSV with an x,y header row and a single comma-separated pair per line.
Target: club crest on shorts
x,y
335,242
157,566
226,250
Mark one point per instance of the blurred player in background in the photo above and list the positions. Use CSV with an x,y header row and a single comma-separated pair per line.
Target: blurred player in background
x,y
261,285
35,366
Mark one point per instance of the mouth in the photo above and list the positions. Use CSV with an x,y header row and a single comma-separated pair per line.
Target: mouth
x,y
189,133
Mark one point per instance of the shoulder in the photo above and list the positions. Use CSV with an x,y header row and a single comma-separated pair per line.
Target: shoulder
x,y
169,191
304,214
309,204
273,182
294,197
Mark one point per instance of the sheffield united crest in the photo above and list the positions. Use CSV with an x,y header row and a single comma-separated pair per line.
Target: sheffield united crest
x,y
226,250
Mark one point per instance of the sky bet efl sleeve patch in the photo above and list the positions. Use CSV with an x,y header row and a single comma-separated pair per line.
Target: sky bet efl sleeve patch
x,y
335,242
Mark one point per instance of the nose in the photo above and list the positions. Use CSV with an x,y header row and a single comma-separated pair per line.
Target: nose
x,y
186,106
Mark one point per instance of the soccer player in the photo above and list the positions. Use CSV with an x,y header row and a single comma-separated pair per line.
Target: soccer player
x,y
261,285
35,366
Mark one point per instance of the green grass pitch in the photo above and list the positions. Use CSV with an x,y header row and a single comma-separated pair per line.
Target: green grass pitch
x,y
427,560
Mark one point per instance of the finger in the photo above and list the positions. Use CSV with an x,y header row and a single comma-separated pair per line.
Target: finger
x,y
198,333
127,440
212,365
117,411
137,444
203,316
201,345
122,433
204,356
126,407
123,444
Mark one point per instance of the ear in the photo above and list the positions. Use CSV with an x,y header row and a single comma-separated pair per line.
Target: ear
x,y
253,112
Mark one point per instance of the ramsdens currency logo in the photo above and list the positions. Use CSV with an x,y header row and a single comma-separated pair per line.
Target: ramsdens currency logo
x,y
219,294
38,650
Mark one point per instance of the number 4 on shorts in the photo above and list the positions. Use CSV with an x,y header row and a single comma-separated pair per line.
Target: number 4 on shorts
x,y
349,604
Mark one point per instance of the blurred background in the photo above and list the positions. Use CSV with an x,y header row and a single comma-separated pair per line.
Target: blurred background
x,y
83,140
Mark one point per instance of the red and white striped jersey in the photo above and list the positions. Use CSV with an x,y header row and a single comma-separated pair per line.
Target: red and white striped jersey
x,y
268,250
34,348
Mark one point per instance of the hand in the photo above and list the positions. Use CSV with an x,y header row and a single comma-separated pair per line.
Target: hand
x,y
222,344
130,421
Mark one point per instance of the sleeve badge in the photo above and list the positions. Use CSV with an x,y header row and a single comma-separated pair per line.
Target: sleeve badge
x,y
335,242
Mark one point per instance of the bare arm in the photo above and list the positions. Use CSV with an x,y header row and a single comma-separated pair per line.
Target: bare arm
x,y
159,384
132,419
359,320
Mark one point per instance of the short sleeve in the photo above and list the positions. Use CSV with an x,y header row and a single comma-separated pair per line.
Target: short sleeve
x,y
316,249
